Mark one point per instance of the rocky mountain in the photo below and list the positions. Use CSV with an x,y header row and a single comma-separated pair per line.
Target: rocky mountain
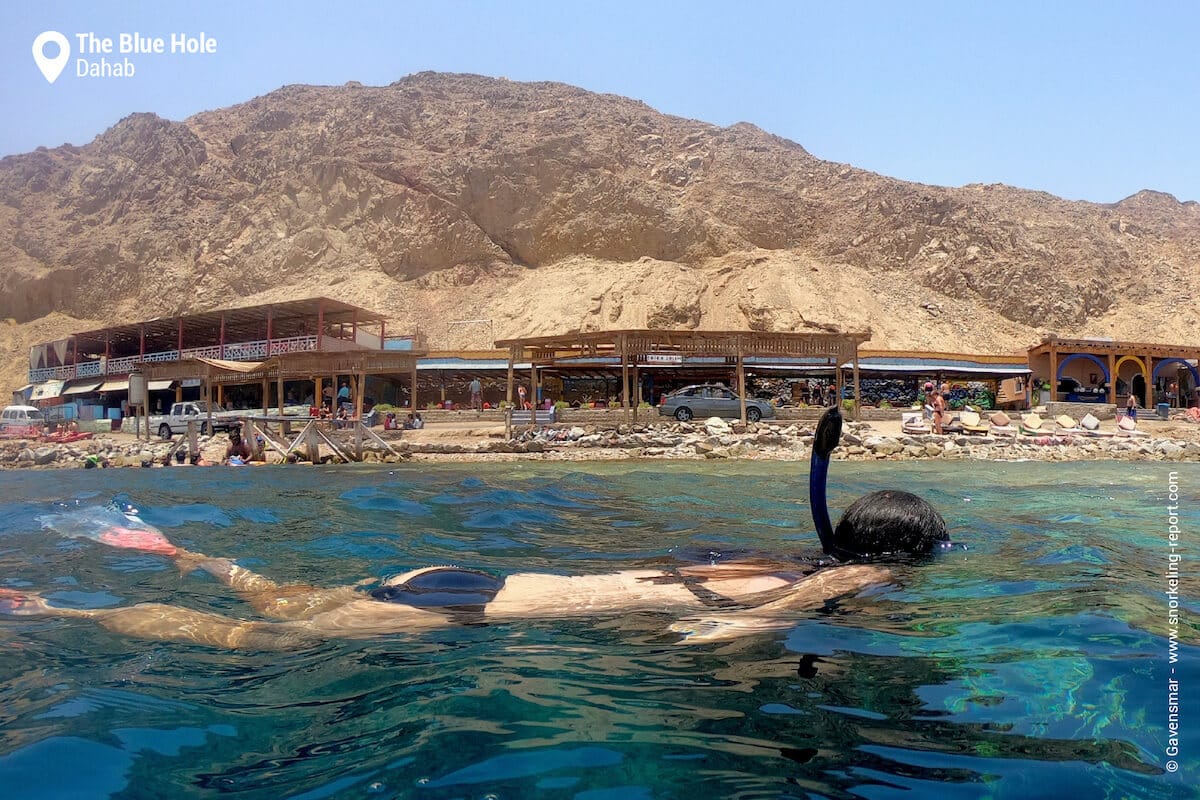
x,y
542,208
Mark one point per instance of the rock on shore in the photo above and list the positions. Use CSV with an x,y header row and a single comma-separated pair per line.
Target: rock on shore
x,y
708,439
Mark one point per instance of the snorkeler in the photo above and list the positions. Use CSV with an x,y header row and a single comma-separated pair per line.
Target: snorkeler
x,y
717,600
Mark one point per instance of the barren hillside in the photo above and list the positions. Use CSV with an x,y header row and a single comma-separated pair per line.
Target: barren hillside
x,y
546,208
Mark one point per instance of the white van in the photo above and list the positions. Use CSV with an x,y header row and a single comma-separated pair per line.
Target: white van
x,y
21,417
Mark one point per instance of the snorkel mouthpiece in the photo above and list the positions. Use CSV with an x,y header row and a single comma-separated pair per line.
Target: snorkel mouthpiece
x,y
829,433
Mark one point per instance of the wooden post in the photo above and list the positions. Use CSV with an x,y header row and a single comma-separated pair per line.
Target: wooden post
x,y
358,440
1149,382
279,390
1112,378
533,393
222,341
508,393
320,324
1053,373
179,342
312,444
208,400
637,390
624,378
741,381
221,395
265,404
414,385
142,343
837,381
193,443
357,384
270,314
857,388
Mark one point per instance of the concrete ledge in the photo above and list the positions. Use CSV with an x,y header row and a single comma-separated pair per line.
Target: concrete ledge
x,y
1078,411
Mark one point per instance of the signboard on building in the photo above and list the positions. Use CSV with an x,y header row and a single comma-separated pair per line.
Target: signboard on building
x,y
662,359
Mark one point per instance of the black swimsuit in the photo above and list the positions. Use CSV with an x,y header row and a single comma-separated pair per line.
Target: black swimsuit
x,y
461,593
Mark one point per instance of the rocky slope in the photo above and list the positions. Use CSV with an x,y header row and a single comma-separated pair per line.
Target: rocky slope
x,y
544,208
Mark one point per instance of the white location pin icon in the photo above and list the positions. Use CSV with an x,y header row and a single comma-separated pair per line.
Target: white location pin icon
x,y
51,67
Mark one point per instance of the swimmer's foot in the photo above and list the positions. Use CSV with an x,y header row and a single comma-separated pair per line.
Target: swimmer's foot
x,y
189,562
718,629
148,541
23,604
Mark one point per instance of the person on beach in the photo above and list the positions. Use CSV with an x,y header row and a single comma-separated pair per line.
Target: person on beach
x,y
1131,406
476,389
939,410
718,601
238,452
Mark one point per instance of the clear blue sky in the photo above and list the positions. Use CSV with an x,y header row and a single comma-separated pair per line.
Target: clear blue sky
x,y
1086,100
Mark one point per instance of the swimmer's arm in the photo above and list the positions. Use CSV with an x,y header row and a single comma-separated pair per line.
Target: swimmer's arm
x,y
811,592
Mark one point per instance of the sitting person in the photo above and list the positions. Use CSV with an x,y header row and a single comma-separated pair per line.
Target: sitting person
x,y
730,598
409,423
238,452
389,421
417,422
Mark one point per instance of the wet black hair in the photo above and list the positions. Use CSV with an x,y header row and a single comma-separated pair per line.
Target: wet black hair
x,y
884,523
889,522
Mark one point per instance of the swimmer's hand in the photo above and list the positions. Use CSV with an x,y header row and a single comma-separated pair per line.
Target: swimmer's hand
x,y
723,627
808,593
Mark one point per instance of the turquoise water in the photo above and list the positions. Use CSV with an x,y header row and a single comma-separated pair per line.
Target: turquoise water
x,y
1033,665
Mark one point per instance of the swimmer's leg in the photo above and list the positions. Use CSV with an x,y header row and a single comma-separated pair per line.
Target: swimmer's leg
x,y
778,613
165,623
293,601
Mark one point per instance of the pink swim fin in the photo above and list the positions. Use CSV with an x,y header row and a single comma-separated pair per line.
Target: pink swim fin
x,y
150,541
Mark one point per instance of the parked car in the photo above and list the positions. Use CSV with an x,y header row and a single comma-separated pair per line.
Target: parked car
x,y
21,419
181,413
711,400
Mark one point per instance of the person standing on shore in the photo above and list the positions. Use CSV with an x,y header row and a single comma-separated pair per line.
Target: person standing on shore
x,y
1131,406
939,410
476,389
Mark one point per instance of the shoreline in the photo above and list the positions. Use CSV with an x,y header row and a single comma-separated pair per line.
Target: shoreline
x,y
459,442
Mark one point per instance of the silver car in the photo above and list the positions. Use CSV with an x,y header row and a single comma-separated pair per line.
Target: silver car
x,y
711,400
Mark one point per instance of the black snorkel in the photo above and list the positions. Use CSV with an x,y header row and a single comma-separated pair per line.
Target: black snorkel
x,y
888,524
829,432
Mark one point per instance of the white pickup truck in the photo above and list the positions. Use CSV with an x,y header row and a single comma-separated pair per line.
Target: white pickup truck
x,y
181,413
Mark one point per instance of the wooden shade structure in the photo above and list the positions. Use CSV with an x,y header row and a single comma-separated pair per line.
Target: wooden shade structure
x,y
638,349
309,365
1109,356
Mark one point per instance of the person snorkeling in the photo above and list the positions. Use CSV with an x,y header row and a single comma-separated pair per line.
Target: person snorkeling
x,y
716,601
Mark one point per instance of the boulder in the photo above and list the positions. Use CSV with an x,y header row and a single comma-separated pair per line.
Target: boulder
x,y
884,445
45,455
717,427
1171,450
